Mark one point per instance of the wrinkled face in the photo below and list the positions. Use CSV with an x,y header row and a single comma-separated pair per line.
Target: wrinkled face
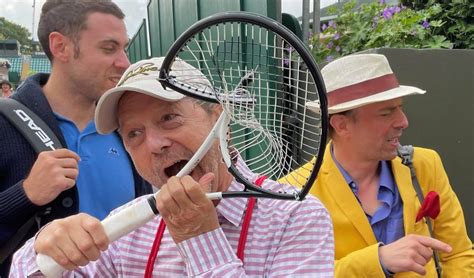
x,y
162,136
375,129
102,58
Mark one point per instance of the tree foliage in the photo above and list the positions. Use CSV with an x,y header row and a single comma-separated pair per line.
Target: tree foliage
x,y
12,31
458,18
377,25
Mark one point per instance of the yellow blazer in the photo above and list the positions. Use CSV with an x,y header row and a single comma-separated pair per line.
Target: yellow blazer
x,y
356,253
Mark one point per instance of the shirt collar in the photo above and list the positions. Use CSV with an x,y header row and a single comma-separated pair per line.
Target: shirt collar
x,y
232,209
344,173
386,179
90,128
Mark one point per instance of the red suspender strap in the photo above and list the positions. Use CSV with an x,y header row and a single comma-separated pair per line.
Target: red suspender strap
x,y
242,240
245,225
154,249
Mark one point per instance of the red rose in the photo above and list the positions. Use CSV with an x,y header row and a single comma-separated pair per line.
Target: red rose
x,y
430,206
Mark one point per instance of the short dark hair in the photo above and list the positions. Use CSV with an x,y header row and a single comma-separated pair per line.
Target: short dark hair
x,y
6,82
69,17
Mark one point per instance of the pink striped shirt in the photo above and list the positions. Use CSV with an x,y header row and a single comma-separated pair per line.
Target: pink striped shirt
x,y
285,238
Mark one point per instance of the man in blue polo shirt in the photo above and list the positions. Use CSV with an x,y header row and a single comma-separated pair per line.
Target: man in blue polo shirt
x,y
105,176
85,41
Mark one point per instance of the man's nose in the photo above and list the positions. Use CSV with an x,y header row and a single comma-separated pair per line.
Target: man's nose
x,y
157,142
122,60
401,121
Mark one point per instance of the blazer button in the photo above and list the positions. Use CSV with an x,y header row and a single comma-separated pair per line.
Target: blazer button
x,y
67,202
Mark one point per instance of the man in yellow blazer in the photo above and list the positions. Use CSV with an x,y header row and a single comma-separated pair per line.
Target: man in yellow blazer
x,y
369,192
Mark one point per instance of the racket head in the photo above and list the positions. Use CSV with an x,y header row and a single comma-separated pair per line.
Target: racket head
x,y
263,76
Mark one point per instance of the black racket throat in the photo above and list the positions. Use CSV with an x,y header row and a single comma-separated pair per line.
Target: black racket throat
x,y
252,190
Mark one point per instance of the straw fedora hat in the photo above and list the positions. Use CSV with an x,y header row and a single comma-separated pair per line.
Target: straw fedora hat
x,y
357,80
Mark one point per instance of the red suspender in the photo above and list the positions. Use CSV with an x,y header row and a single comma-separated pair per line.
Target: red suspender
x,y
245,225
242,239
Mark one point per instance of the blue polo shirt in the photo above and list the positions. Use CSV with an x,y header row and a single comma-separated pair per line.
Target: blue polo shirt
x,y
105,179
387,221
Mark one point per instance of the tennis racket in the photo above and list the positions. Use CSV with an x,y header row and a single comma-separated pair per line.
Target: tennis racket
x,y
262,75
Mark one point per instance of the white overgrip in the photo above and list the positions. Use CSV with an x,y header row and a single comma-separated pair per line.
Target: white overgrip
x,y
115,226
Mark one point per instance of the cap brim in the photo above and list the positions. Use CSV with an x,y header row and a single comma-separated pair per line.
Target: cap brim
x,y
106,111
400,91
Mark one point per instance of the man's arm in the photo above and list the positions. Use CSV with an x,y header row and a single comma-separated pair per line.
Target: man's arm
x,y
409,254
307,242
449,226
361,263
306,248
72,242
52,173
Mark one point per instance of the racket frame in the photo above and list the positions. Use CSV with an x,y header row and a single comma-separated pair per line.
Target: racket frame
x,y
251,190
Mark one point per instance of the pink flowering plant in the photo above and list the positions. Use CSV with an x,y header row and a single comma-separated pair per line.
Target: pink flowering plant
x,y
377,25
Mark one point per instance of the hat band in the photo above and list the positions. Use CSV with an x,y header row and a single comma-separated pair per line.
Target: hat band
x,y
363,89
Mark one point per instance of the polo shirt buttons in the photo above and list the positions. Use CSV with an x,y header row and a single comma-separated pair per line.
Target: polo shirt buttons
x,y
67,202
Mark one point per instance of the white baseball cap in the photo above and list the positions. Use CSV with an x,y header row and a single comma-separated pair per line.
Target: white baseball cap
x,y
141,77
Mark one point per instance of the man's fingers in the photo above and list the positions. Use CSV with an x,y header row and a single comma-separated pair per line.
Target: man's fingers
x,y
435,244
65,153
52,245
69,255
420,259
97,233
426,252
60,257
176,187
83,237
68,163
165,202
197,193
71,174
206,180
420,269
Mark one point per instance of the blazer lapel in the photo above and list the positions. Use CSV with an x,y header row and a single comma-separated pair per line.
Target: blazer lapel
x,y
407,192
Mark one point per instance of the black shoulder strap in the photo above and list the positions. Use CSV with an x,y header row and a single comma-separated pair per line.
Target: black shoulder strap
x,y
32,127
41,138
406,154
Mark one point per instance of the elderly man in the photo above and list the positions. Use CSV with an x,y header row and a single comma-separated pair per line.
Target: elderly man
x,y
158,128
369,192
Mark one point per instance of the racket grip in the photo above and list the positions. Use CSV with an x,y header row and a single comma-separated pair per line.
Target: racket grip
x,y
214,195
115,226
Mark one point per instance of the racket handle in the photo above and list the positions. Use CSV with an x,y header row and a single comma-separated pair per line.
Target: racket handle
x,y
115,226
214,195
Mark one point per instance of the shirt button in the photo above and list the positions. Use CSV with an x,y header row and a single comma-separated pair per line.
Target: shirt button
x,y
67,202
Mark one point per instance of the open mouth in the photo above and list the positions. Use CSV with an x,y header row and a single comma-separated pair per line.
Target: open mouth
x,y
174,169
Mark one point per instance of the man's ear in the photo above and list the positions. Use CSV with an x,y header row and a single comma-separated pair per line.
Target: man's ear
x,y
61,47
339,123
216,111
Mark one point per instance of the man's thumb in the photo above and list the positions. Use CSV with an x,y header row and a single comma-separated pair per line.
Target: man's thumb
x,y
206,180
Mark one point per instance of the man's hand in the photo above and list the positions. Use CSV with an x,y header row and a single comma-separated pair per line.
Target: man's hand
x,y
73,241
411,253
52,173
185,208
